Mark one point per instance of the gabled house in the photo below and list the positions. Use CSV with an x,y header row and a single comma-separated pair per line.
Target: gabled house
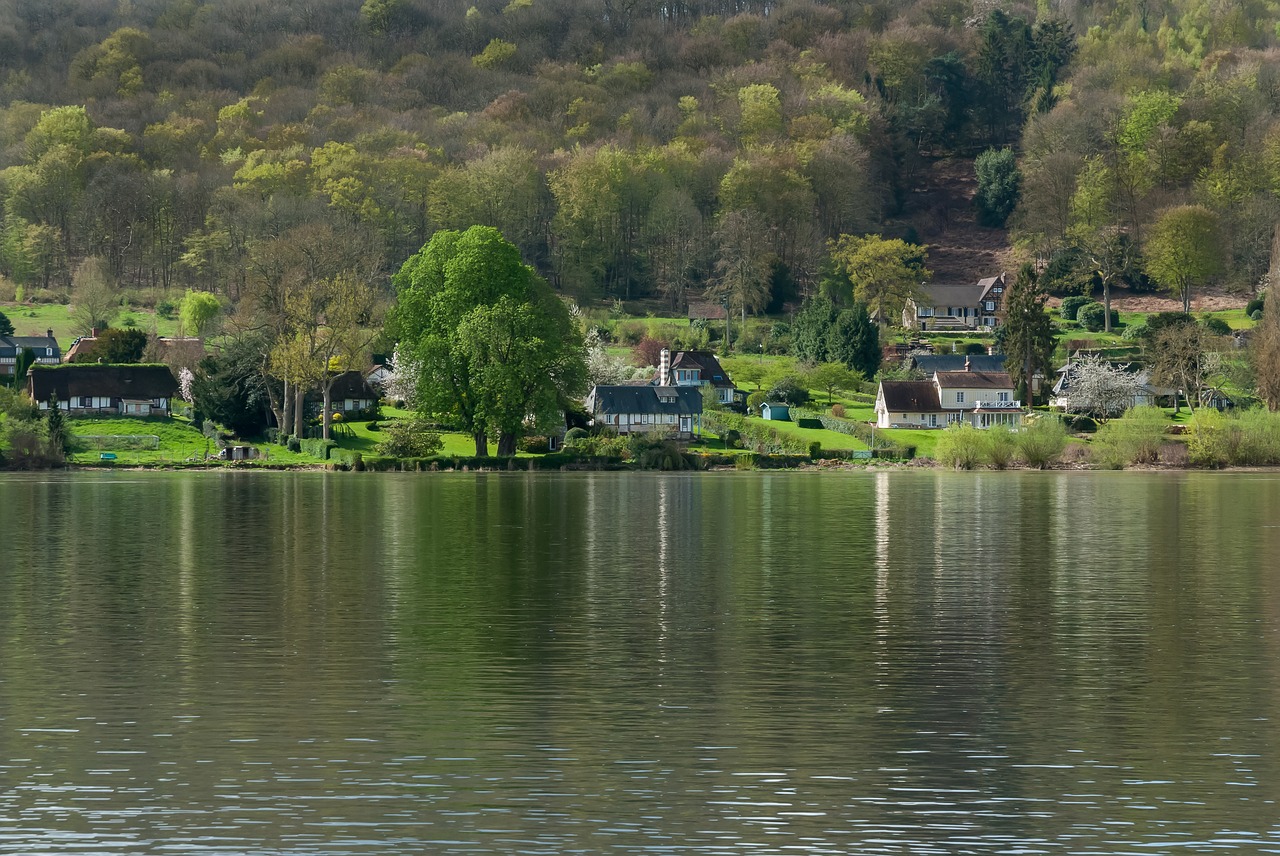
x,y
957,307
350,394
633,408
90,389
978,398
1146,393
694,369
45,349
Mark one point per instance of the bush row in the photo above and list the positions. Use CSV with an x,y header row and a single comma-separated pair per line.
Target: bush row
x,y
1039,444
756,436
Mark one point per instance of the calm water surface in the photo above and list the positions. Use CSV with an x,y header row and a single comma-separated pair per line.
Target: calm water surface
x,y
619,663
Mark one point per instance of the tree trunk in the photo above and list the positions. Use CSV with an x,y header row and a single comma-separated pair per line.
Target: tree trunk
x,y
284,417
299,412
506,445
482,444
325,416
1106,304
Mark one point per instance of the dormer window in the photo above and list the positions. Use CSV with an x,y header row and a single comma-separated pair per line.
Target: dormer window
x,y
959,398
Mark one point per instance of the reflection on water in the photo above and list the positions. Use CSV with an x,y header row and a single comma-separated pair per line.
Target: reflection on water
x,y
764,663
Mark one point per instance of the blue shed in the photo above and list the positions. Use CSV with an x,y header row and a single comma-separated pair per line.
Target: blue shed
x,y
775,411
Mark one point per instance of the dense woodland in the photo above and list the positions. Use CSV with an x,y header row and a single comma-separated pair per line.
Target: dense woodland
x,y
629,149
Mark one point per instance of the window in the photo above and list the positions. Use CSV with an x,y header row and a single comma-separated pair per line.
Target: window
x,y
991,306
959,398
1002,396
86,401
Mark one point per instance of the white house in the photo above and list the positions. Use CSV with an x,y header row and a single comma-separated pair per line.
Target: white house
x,y
957,307
978,398
694,368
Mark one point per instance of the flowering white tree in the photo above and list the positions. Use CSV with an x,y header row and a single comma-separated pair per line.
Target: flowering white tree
x,y
185,378
1100,388
402,385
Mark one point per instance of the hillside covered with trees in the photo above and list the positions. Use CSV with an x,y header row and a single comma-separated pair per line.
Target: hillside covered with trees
x,y
629,149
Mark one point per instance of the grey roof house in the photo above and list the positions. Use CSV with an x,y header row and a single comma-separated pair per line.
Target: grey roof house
x,y
957,307
629,409
44,347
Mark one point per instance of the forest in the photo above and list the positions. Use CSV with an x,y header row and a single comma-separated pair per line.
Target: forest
x,y
629,149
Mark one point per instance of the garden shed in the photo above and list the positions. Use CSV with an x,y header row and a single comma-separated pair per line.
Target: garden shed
x,y
775,411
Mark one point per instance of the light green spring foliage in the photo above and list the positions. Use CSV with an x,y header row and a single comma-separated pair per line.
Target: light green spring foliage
x,y
1134,438
1041,441
961,446
1250,438
1000,446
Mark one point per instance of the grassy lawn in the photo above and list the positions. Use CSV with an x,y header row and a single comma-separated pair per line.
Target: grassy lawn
x,y
179,442
34,319
828,439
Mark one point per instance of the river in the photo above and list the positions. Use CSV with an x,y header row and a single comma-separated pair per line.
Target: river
x,y
728,663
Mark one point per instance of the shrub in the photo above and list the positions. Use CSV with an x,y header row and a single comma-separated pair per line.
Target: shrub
x,y
974,348
1134,331
166,309
293,444
789,390
1213,441
1134,438
374,426
999,446
409,438
575,434
754,400
1071,306
1254,305
837,410
1216,326
535,445
961,446
1093,317
1082,424
1255,315
1259,438
1041,441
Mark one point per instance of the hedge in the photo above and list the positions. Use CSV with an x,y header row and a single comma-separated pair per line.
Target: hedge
x,y
883,447
317,448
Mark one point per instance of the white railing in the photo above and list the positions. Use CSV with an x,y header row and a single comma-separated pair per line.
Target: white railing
x,y
997,405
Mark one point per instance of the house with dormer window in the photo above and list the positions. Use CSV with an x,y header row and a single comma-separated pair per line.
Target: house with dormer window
x,y
945,306
978,398
43,348
694,368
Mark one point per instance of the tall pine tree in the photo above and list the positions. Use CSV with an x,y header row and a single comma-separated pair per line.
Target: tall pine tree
x,y
1029,335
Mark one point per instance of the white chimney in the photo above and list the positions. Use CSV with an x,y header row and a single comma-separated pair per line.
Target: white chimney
x,y
664,367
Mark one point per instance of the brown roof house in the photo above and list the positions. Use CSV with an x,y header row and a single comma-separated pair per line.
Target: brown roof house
x,y
694,368
104,390
977,398
957,307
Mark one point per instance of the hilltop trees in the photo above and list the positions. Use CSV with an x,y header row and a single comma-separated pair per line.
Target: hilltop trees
x,y
493,347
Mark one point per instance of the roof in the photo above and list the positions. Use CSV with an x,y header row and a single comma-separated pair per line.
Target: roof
x,y
910,396
11,346
974,380
351,385
70,381
704,360
676,400
931,363
951,295
708,311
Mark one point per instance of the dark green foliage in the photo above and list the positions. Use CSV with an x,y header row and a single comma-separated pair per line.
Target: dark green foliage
x,y
1093,317
999,186
1068,272
535,445
809,423
6,326
788,390
1217,326
115,346
1071,306
823,333
1162,320
55,428
1029,336
318,448
293,444
25,360
229,388
974,348
575,434
1255,305
1082,424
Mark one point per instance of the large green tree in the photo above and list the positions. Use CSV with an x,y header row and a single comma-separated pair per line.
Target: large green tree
x,y
1028,333
491,344
1184,249
884,272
